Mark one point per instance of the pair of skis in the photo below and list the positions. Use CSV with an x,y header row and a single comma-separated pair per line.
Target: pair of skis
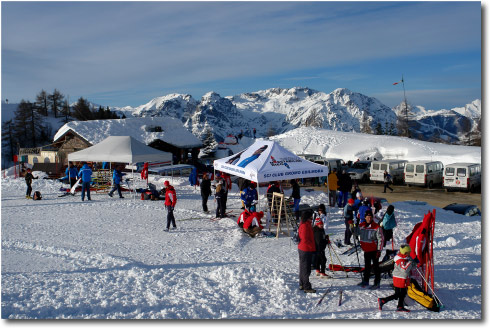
x,y
72,190
325,294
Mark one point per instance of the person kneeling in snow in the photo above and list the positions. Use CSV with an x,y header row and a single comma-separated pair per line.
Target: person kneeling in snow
x,y
401,278
243,216
252,224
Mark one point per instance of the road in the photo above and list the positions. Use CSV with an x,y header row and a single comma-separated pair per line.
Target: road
x,y
435,196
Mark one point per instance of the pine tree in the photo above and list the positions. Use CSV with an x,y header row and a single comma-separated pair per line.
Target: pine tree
x,y
28,124
55,101
42,103
365,127
66,111
8,141
81,110
379,129
209,142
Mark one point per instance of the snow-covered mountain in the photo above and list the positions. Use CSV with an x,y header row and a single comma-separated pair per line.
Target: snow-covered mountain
x,y
270,111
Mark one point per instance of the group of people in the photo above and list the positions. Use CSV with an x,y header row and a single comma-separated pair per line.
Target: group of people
x,y
313,235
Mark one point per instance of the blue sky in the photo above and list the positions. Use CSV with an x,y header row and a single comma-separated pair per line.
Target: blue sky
x,y
126,53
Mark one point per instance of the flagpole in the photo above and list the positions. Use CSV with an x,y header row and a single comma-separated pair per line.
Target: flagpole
x,y
406,108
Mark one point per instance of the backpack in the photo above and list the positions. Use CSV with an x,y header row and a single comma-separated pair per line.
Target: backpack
x,y
37,195
295,238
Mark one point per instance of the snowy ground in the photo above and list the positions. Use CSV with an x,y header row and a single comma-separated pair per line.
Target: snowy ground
x,y
110,259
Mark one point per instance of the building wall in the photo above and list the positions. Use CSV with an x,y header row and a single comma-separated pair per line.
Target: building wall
x,y
44,157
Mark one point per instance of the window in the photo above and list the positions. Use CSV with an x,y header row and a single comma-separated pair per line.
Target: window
x,y
420,169
450,171
384,167
461,172
376,166
409,168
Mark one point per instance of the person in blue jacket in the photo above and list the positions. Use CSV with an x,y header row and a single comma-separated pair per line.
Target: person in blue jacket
x,y
71,172
388,223
252,158
249,196
117,178
362,211
86,174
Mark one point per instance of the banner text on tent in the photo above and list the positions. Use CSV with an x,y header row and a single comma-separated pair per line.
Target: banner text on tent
x,y
290,173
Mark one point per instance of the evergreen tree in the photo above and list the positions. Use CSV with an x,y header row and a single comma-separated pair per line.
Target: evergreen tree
x,y
56,101
81,110
28,124
392,129
42,103
209,142
66,111
8,141
365,127
379,129
271,132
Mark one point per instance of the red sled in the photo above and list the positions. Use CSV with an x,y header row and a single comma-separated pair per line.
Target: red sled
x,y
348,268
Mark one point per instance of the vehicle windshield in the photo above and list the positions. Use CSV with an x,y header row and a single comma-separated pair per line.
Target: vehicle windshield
x,y
360,166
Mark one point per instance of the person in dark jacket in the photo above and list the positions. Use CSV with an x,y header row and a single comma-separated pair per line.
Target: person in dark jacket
x,y
320,245
345,186
250,196
388,223
28,177
387,180
117,178
306,248
205,191
242,185
219,197
85,174
296,196
348,217
273,187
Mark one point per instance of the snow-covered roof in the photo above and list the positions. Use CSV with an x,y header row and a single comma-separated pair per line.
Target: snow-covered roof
x,y
143,129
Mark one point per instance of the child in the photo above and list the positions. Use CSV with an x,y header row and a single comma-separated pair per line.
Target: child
x,y
401,278
320,245
29,178
388,223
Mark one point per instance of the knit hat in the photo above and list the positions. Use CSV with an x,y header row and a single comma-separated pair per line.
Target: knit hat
x,y
318,221
166,183
368,212
405,249
351,201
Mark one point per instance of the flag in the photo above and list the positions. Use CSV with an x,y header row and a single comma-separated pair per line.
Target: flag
x,y
401,81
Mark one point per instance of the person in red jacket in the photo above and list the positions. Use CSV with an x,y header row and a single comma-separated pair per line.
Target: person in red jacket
x,y
243,216
306,249
371,240
170,202
401,278
252,224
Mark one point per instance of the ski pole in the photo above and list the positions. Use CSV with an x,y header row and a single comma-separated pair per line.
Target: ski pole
x,y
338,258
428,285
357,254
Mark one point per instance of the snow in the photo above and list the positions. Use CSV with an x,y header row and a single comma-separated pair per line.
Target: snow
x,y
110,258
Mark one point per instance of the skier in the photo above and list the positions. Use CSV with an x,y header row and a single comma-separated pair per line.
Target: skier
x,y
296,196
250,196
117,177
273,187
170,202
306,248
348,218
321,241
345,186
28,177
252,224
242,217
388,223
205,191
362,211
371,240
86,174
71,172
256,154
219,197
387,180
401,278
332,188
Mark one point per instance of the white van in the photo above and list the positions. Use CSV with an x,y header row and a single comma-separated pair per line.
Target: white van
x,y
423,173
394,167
332,163
463,176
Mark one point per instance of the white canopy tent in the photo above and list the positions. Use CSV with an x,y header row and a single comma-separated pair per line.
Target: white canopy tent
x,y
266,161
121,149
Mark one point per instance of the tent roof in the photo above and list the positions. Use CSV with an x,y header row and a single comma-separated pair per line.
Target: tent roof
x,y
268,161
123,149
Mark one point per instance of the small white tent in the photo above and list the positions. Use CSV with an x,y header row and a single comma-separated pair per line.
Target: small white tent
x,y
121,149
266,161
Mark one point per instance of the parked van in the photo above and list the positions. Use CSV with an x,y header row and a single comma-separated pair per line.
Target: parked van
x,y
394,167
332,163
423,173
463,176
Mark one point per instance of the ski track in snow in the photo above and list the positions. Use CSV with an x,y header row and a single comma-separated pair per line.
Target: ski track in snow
x,y
111,259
